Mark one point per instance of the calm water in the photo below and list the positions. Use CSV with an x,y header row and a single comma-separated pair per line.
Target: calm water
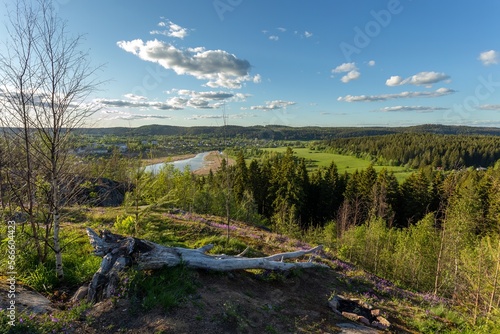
x,y
193,163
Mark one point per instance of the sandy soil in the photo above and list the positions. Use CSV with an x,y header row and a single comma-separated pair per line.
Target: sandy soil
x,y
213,161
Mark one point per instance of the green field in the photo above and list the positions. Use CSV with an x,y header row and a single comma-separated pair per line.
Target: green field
x,y
345,163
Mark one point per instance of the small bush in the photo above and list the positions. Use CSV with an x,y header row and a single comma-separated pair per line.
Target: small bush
x,y
42,278
125,225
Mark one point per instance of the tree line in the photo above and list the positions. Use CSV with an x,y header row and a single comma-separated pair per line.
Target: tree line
x,y
417,150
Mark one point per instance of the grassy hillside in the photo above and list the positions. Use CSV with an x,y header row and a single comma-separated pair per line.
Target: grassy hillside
x,y
180,300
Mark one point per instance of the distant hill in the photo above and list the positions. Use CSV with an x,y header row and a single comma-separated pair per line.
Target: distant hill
x,y
279,132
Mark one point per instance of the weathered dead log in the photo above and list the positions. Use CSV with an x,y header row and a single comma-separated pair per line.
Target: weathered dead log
x,y
119,252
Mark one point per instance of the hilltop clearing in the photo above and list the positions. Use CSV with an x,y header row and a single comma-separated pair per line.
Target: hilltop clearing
x,y
242,301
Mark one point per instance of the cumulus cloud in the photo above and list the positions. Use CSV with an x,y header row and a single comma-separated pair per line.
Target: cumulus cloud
x,y
281,29
204,99
419,79
420,109
274,38
136,104
350,69
488,57
135,97
218,67
371,63
212,116
345,67
351,75
394,80
495,107
209,95
173,30
196,117
404,95
273,105
120,115
308,34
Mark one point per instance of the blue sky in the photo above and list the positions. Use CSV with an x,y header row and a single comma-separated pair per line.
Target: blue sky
x,y
294,63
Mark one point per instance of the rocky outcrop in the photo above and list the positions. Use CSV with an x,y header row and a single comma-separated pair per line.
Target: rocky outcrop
x,y
356,311
25,300
95,192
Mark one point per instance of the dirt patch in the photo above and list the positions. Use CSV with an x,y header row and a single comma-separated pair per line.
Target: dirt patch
x,y
236,302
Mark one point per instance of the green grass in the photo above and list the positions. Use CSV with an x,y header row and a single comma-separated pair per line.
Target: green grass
x,y
166,287
345,163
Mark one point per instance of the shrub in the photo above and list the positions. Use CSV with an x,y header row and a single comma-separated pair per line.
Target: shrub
x,y
125,225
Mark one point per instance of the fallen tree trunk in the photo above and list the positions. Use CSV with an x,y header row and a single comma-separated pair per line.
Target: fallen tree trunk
x,y
119,252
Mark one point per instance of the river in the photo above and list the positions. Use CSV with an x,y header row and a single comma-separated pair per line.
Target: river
x,y
194,163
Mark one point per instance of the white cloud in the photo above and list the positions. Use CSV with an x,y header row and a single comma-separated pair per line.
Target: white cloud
x,y
135,97
111,115
281,29
350,69
218,67
136,104
352,75
210,95
404,95
308,34
273,105
174,30
185,98
274,38
212,116
394,80
204,99
488,57
495,107
371,63
419,79
421,109
345,67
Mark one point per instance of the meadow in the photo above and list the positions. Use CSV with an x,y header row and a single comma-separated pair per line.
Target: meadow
x,y
345,163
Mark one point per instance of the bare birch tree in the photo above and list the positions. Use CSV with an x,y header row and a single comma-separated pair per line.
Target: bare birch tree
x,y
57,80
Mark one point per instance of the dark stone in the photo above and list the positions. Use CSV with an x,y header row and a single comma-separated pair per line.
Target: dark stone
x,y
95,192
